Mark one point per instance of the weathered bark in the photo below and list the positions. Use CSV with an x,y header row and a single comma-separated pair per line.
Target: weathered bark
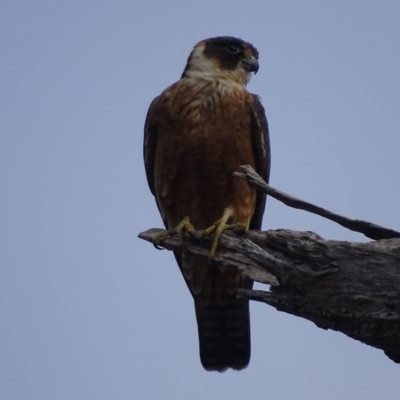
x,y
349,287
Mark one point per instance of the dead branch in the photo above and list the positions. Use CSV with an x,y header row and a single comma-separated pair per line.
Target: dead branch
x,y
369,229
349,287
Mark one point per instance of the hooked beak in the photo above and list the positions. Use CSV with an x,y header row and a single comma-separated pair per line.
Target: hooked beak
x,y
250,64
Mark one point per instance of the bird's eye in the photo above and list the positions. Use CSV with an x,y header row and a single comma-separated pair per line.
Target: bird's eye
x,y
232,48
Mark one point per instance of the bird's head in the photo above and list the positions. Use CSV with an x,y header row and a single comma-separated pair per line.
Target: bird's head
x,y
222,58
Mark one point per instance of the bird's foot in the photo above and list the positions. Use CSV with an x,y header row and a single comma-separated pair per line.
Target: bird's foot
x,y
220,226
180,229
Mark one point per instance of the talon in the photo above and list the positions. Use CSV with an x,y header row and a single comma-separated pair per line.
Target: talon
x,y
184,226
180,229
158,239
239,227
220,226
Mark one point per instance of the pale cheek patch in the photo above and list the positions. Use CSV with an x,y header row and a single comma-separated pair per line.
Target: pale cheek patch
x,y
201,66
200,63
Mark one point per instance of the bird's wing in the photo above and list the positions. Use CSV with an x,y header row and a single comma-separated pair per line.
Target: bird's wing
x,y
262,155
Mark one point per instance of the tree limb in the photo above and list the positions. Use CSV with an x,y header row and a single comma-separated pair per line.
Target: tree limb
x,y
349,287
369,229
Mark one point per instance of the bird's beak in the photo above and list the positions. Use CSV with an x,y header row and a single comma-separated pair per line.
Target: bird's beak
x,y
250,64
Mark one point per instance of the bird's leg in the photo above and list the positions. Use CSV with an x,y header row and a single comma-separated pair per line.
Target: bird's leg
x,y
180,229
220,226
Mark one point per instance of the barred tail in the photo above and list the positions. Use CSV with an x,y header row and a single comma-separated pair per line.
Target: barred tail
x,y
224,333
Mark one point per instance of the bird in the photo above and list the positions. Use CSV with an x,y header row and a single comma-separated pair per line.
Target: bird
x,y
197,133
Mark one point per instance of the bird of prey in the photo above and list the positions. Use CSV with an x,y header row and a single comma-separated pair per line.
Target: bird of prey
x,y
198,132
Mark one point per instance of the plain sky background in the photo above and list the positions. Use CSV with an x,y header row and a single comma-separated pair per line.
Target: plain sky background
x,y
89,311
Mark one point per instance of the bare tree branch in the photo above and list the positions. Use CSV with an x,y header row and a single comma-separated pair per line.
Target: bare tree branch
x,y
349,287
369,229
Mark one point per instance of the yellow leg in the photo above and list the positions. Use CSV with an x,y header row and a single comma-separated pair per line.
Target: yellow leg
x,y
220,226
180,229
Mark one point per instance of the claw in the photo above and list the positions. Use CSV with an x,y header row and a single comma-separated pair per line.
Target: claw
x,y
158,247
220,226
180,229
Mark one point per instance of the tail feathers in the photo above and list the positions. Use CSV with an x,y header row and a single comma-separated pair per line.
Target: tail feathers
x,y
224,333
223,320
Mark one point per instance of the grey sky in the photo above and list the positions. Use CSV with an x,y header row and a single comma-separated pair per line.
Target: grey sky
x,y
87,310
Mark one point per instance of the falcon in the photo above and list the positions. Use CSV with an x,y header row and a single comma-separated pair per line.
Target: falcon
x,y
198,132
